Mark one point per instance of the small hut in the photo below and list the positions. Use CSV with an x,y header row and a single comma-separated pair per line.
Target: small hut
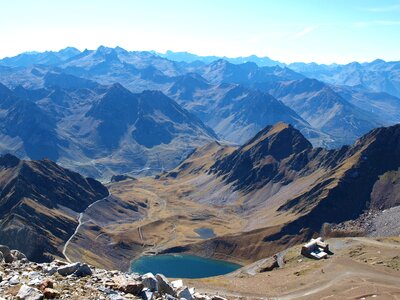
x,y
316,248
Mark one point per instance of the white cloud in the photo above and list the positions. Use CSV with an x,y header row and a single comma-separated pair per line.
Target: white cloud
x,y
302,33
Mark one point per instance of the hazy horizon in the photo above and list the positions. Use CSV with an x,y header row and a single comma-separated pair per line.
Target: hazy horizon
x,y
287,31
183,51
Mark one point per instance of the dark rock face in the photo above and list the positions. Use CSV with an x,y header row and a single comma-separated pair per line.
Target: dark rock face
x,y
121,177
34,197
259,160
386,191
152,117
66,81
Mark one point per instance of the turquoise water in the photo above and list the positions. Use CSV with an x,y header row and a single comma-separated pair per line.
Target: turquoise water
x,y
182,266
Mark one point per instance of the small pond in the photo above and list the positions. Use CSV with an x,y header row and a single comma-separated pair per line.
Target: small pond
x,y
205,233
182,266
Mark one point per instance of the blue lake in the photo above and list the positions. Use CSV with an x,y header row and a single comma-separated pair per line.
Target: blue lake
x,y
182,266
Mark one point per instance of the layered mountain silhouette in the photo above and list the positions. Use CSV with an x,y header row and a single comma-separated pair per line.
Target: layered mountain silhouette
x,y
326,110
376,76
235,112
98,130
235,98
193,58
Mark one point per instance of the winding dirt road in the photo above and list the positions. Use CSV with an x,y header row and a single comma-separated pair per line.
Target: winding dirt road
x,y
80,223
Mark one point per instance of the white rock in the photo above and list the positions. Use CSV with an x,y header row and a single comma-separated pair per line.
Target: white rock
x,y
185,294
14,280
177,283
35,281
29,293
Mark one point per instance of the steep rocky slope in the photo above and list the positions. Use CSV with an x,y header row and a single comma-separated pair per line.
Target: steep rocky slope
x,y
39,204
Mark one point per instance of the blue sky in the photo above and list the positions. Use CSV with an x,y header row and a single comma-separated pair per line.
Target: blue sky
x,y
324,31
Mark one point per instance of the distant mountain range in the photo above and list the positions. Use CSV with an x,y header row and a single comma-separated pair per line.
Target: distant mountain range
x,y
98,130
109,110
190,58
377,76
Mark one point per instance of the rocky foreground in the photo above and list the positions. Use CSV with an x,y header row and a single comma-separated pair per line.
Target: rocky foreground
x,y
24,280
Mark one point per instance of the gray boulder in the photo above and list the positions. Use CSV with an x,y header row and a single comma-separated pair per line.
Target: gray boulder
x,y
184,293
149,281
68,269
50,270
147,295
132,287
163,285
8,258
268,265
5,250
17,255
83,270
29,293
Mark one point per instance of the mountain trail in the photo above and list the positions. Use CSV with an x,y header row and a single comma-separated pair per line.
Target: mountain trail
x,y
80,223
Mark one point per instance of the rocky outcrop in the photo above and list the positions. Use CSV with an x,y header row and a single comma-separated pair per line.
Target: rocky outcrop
x,y
32,281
